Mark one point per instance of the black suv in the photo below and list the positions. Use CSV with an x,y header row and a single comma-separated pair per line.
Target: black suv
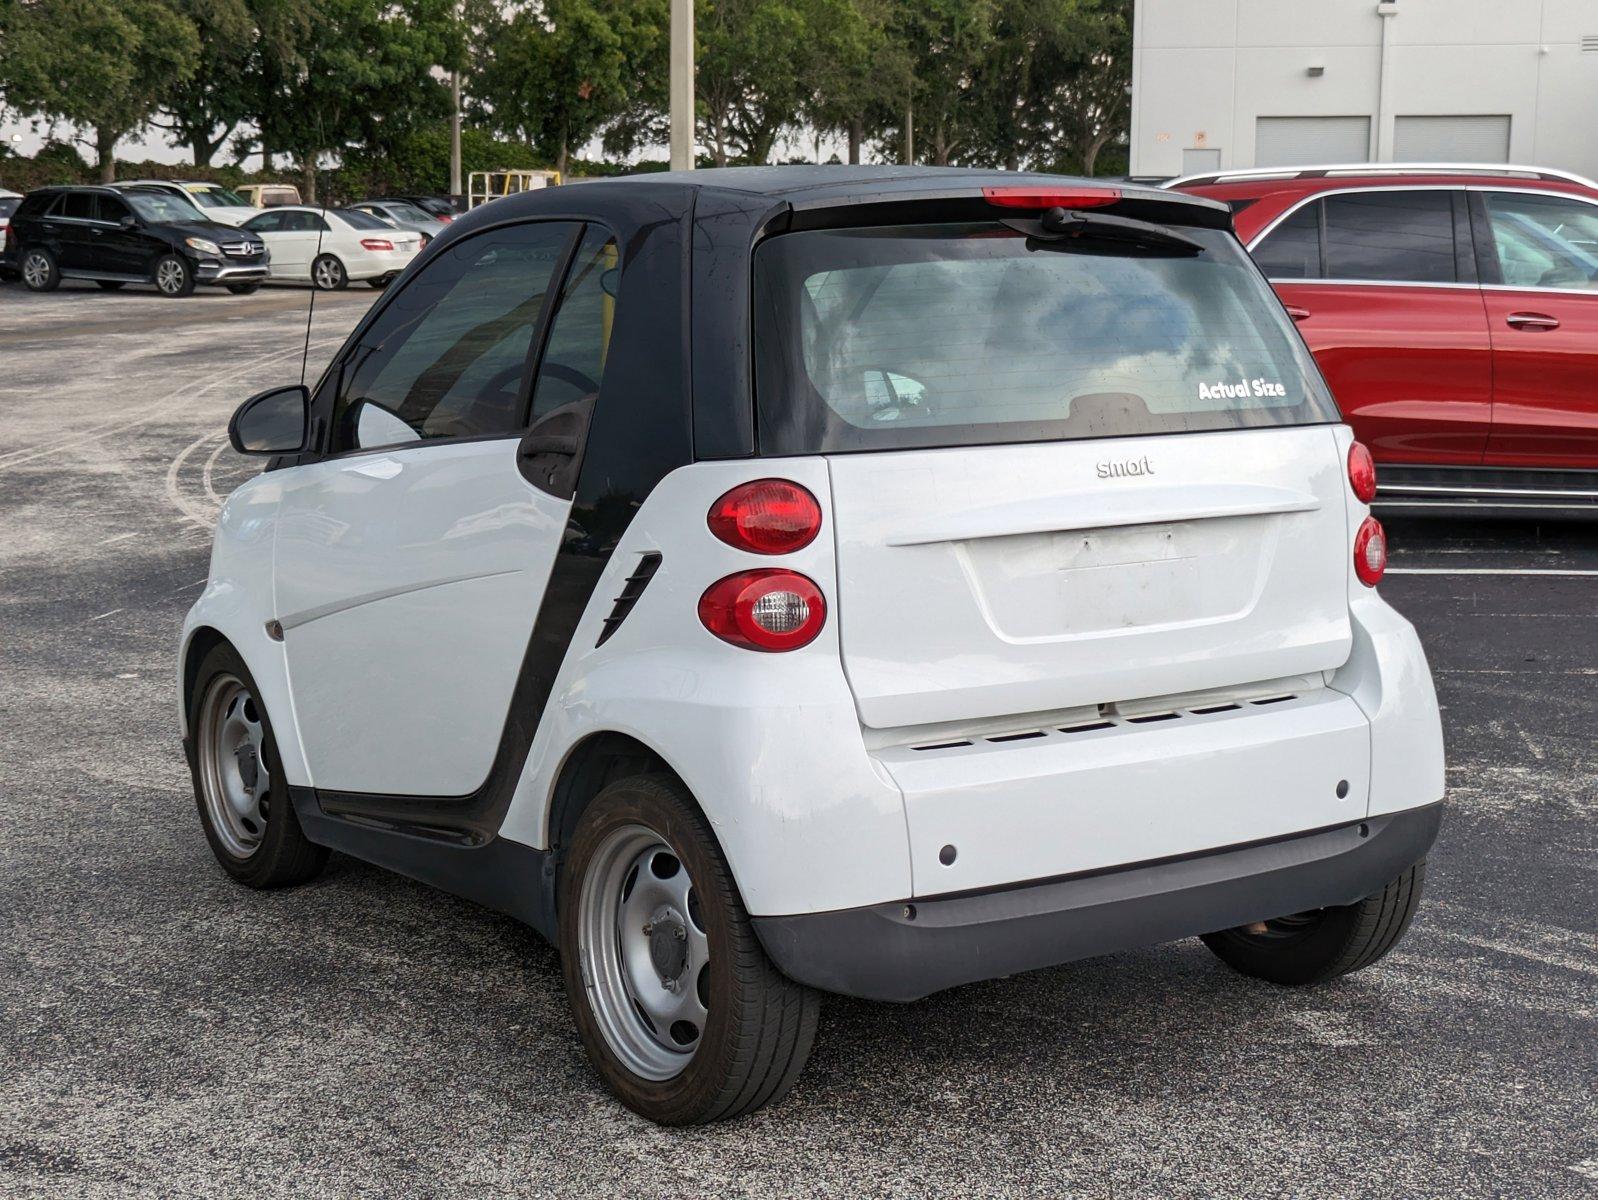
x,y
118,235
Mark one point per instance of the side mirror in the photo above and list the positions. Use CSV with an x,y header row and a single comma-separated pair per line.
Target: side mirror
x,y
129,221
275,421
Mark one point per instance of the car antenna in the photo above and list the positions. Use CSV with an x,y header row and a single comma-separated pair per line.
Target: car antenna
x,y
310,312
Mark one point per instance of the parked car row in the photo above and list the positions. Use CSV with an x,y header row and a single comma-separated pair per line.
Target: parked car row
x,y
178,236
1453,309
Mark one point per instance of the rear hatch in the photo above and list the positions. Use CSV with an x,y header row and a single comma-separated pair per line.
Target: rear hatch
x,y
1067,470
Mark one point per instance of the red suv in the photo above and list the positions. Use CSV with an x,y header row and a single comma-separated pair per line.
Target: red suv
x,y
1453,310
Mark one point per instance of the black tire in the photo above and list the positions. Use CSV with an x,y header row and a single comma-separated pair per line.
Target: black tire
x,y
243,289
109,285
379,284
1315,947
284,856
328,274
173,276
39,270
760,1024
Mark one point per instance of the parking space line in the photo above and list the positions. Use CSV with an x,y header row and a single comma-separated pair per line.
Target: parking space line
x,y
1486,571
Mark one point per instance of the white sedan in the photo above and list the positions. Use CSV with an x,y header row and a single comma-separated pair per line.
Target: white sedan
x,y
331,246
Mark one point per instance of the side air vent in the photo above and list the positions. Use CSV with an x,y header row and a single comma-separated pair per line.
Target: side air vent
x,y
1589,43
631,590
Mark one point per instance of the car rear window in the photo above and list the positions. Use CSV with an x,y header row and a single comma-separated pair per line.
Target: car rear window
x,y
359,220
8,205
939,335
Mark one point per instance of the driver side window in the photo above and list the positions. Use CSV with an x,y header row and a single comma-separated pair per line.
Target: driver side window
x,y
1544,241
447,357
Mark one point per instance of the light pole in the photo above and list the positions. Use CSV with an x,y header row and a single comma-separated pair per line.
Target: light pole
x,y
682,85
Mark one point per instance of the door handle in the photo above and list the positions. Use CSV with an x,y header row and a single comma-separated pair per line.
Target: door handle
x,y
1297,313
1531,320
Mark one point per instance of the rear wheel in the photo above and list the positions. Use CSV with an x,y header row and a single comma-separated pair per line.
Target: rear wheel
x,y
681,1013
328,274
1313,947
173,276
109,285
239,787
39,270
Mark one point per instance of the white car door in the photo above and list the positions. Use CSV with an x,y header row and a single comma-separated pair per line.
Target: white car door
x,y
410,562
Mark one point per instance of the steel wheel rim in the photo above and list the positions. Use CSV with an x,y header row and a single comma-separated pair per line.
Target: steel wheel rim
x,y
234,780
644,954
36,270
169,276
328,273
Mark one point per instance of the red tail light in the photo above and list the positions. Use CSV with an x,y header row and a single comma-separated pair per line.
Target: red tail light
x,y
444,217
377,243
764,610
767,516
1370,552
1031,197
1362,473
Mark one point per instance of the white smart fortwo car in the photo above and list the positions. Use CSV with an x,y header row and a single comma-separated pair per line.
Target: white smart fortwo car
x,y
781,581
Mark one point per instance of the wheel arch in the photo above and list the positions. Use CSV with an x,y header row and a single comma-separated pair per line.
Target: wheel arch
x,y
592,762
202,640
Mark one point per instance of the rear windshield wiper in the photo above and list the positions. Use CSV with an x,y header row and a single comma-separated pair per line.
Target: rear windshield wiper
x,y
1059,226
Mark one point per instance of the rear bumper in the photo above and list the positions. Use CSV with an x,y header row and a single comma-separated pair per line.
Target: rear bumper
x,y
909,949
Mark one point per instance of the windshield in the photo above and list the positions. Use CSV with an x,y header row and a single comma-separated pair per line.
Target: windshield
x,y
161,207
939,335
217,198
359,220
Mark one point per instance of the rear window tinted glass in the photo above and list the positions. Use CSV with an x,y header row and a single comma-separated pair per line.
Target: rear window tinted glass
x,y
1293,249
79,206
964,334
1399,237
360,220
8,205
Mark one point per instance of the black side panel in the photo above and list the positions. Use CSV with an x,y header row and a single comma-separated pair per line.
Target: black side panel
x,y
506,876
639,433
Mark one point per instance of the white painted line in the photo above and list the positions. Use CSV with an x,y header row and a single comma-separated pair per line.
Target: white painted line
x,y
104,615
1484,571
121,537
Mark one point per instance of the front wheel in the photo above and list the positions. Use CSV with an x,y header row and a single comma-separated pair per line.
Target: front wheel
x,y
174,276
39,270
1313,947
328,274
239,786
681,1012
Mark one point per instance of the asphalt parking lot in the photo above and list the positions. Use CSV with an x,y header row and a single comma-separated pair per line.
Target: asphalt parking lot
x,y
165,1032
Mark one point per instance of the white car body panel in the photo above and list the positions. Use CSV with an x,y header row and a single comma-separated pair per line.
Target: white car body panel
x,y
407,583
1013,579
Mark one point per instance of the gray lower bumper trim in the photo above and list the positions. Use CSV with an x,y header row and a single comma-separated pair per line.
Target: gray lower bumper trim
x,y
910,949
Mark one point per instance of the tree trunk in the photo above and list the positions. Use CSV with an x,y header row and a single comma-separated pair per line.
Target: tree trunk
x,y
1012,161
308,178
105,151
720,131
202,148
1092,155
856,136
561,159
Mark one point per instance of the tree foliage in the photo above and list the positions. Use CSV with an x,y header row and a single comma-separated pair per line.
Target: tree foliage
x,y
102,67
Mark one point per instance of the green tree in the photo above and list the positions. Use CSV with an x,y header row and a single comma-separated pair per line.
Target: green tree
x,y
858,67
363,75
203,110
558,74
100,66
1089,105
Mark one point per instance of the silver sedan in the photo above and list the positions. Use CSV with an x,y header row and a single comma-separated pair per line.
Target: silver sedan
x,y
403,215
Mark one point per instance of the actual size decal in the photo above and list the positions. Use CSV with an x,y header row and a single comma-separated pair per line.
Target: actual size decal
x,y
1240,390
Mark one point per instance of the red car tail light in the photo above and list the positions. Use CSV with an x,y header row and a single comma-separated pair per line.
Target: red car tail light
x,y
1031,197
444,217
377,243
764,610
1362,473
767,516
1370,552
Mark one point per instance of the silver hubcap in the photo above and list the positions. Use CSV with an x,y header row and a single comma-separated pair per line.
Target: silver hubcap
x,y
645,957
328,273
36,270
233,774
169,276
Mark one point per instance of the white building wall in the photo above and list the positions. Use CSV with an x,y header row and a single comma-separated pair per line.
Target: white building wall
x,y
1204,71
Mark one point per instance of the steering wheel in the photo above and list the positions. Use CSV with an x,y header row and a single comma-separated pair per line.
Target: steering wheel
x,y
585,384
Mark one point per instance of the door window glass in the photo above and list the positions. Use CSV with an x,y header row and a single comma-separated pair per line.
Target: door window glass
x,y
266,223
1293,249
79,206
1398,237
1544,241
110,209
574,358
448,356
